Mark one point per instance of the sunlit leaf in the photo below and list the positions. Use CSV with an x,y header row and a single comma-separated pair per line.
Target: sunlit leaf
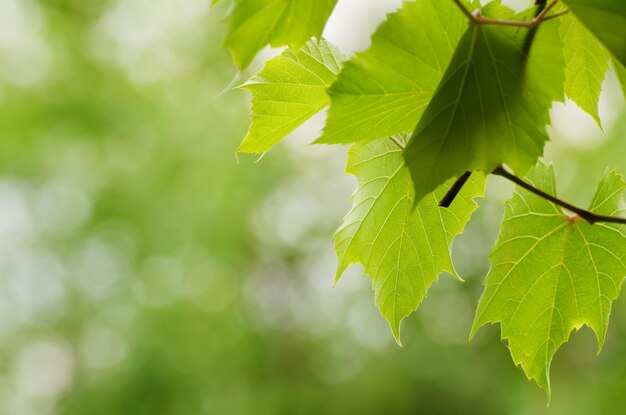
x,y
254,24
289,90
607,21
492,106
587,62
385,89
402,249
551,274
621,76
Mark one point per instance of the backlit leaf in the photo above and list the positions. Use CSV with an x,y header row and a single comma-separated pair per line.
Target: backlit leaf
x,y
492,106
385,89
254,24
607,21
402,249
551,274
587,62
621,76
289,90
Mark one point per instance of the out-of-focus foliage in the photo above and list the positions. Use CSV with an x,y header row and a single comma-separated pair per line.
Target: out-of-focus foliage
x,y
145,271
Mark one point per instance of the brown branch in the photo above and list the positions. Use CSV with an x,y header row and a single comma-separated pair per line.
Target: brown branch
x,y
465,10
456,187
555,15
532,33
454,190
478,18
584,214
541,16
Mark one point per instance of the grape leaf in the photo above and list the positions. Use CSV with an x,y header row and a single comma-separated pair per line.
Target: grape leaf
x,y
403,250
621,76
254,24
384,90
586,63
551,274
289,90
492,105
607,21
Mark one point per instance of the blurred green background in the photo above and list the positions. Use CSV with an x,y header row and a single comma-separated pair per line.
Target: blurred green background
x,y
144,269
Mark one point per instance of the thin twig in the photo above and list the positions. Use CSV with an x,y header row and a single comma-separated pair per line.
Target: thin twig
x,y
478,18
456,187
465,10
454,190
529,40
545,11
585,214
398,142
555,15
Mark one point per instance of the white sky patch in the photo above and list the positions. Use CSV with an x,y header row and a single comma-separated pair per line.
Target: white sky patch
x,y
351,24
44,369
25,58
144,37
576,128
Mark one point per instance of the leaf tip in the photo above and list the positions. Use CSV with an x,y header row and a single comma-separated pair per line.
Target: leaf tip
x,y
547,387
473,331
396,335
323,139
455,274
338,275
251,146
231,85
598,121
341,268
601,336
394,324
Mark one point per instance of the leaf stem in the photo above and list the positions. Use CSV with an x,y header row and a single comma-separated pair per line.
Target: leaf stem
x,y
478,18
454,190
555,15
465,10
398,142
585,214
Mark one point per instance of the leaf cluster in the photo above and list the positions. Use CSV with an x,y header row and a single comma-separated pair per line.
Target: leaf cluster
x,y
445,92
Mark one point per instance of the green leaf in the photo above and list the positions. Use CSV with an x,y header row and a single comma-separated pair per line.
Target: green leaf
x,y
551,274
621,76
586,63
607,21
289,90
254,24
402,249
492,106
384,90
